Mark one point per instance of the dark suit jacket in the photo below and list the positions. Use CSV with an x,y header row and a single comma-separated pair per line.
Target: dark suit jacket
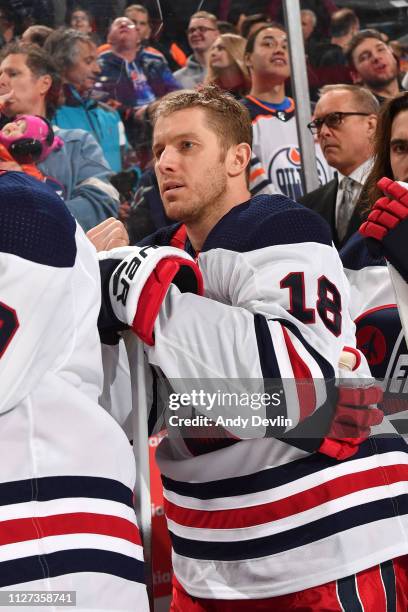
x,y
323,201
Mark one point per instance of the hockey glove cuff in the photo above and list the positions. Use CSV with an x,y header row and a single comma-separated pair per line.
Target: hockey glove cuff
x,y
138,285
386,228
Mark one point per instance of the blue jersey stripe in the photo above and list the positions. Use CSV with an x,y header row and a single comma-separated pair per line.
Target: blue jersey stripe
x,y
268,479
60,487
388,578
292,538
64,562
348,595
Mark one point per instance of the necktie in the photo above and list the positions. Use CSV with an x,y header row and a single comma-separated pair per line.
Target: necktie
x,y
346,206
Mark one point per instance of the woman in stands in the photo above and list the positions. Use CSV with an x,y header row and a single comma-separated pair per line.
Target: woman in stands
x,y
226,66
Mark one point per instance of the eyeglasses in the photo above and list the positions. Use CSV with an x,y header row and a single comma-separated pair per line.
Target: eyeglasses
x,y
200,29
332,120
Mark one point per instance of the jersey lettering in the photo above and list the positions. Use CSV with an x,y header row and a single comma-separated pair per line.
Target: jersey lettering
x,y
328,304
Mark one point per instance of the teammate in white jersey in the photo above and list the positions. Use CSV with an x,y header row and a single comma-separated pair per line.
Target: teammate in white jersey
x,y
275,139
379,332
67,472
257,522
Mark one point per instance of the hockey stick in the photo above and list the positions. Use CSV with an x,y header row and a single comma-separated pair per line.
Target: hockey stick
x,y
142,497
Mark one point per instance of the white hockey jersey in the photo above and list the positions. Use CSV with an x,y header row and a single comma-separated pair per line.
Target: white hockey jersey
x,y
275,145
67,472
378,326
262,517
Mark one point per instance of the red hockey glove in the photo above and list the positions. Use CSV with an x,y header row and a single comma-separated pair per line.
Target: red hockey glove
x,y
138,285
386,227
388,211
354,416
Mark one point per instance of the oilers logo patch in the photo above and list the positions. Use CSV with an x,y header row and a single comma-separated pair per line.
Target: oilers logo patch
x,y
285,172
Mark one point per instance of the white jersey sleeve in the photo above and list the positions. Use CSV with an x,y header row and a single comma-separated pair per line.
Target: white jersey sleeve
x,y
277,311
37,255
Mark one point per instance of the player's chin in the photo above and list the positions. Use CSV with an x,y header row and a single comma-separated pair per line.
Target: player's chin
x,y
174,209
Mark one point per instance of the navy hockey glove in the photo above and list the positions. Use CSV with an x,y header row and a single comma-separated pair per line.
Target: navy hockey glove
x,y
135,289
386,227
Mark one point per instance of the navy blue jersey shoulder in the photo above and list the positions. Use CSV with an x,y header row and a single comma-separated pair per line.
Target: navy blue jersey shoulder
x,y
356,256
35,224
265,221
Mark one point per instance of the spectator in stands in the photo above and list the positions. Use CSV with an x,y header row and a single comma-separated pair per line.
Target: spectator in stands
x,y
311,42
75,57
226,67
36,35
344,24
225,27
309,21
202,32
344,121
80,20
137,13
373,64
9,24
132,75
33,86
275,140
252,23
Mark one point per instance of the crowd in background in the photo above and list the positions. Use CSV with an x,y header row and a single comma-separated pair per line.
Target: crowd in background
x,y
79,86
111,61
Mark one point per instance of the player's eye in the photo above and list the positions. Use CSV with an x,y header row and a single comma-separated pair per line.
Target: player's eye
x,y
400,148
157,152
187,145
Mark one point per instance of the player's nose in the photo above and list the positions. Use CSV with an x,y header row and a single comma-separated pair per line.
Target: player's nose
x,y
167,161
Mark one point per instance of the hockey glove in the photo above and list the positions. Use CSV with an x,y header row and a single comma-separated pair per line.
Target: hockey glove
x,y
386,227
135,289
354,415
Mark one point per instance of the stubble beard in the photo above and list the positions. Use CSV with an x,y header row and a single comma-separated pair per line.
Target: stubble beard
x,y
379,83
207,198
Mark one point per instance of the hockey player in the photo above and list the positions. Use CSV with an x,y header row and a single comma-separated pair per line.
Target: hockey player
x,y
67,473
379,333
275,141
256,524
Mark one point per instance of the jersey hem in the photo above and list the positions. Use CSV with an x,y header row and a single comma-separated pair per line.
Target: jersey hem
x,y
317,579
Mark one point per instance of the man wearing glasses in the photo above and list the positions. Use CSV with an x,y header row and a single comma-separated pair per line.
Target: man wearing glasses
x,y
344,124
201,32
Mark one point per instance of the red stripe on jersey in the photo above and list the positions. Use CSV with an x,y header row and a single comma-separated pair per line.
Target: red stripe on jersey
x,y
179,237
288,506
303,379
34,528
371,590
371,310
356,353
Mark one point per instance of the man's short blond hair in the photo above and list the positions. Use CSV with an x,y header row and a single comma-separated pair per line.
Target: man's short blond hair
x,y
205,15
226,117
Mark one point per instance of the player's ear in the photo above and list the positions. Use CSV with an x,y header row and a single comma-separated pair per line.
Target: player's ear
x,y
238,157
